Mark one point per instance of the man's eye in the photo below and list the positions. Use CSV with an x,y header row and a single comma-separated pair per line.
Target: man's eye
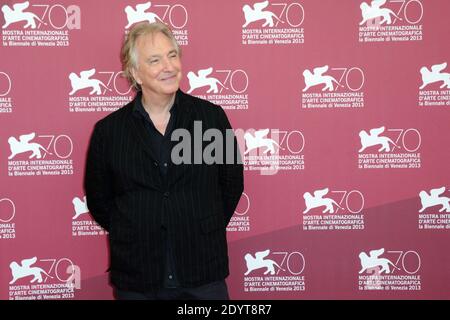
x,y
154,61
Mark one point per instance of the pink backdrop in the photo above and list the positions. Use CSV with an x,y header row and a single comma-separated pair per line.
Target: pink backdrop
x,y
353,204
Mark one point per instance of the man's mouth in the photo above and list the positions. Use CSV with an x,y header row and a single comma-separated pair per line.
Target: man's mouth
x,y
170,77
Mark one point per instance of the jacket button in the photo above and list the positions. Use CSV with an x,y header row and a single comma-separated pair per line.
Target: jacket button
x,y
166,194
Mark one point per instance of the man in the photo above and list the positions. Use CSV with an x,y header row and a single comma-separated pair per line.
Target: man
x,y
166,220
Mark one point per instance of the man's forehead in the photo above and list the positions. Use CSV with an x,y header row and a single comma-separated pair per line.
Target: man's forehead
x,y
156,40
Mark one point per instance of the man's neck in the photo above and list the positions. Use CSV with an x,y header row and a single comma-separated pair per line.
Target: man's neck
x,y
157,107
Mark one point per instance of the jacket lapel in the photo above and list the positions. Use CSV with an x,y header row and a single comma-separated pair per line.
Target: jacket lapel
x,y
139,131
184,120
185,112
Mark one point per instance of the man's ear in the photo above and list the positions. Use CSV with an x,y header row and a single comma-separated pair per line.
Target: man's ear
x,y
135,75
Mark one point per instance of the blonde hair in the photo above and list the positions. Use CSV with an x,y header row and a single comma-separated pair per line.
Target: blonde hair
x,y
128,52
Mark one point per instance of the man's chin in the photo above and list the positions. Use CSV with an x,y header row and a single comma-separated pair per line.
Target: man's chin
x,y
171,89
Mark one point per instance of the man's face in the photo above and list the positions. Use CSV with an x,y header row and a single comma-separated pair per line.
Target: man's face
x,y
158,66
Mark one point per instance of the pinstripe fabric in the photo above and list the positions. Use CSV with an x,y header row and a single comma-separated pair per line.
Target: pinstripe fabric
x,y
126,196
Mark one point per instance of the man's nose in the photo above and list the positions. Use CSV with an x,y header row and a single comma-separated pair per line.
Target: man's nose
x,y
167,64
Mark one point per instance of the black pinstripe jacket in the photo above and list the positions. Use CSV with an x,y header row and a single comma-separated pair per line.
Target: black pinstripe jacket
x,y
126,196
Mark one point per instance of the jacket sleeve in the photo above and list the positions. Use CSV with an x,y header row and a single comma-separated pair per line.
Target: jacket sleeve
x,y
98,180
231,175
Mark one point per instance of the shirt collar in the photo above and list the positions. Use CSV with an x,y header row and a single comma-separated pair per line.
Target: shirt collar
x,y
139,110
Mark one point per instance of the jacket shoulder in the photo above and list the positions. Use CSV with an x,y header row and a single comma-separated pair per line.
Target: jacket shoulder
x,y
203,107
116,116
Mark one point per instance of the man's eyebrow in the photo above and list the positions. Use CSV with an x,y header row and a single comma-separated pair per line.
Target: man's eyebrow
x,y
159,55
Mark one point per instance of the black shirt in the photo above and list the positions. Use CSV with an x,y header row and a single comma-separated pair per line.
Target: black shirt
x,y
162,148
